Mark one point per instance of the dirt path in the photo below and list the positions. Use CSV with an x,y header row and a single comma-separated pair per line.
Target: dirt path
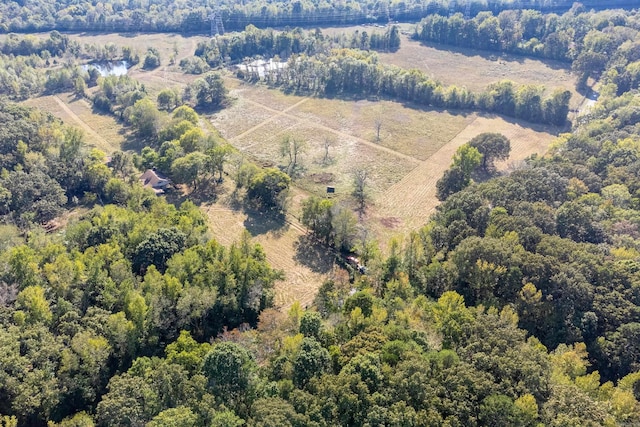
x,y
85,127
412,200
269,120
300,120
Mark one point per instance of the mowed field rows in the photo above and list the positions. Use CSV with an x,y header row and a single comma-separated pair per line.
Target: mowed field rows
x,y
101,131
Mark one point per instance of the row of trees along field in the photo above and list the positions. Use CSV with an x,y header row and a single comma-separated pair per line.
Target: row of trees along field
x,y
592,41
322,65
193,16
356,72
269,43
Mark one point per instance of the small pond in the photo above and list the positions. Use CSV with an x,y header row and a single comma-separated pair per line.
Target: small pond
x,y
261,67
109,68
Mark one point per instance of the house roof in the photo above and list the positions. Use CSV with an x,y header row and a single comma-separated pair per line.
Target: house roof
x,y
153,179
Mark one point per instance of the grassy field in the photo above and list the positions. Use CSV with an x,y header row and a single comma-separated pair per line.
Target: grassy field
x,y
413,150
477,69
101,131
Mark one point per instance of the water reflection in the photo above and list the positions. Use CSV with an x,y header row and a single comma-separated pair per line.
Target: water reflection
x,y
109,68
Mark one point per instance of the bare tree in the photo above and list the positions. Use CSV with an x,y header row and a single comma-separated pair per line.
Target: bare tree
x,y
292,147
328,143
360,189
378,123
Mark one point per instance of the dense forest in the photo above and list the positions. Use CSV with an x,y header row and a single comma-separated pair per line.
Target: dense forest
x,y
193,16
518,304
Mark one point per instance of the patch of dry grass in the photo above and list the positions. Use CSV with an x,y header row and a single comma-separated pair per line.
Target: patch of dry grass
x,y
477,69
415,132
101,130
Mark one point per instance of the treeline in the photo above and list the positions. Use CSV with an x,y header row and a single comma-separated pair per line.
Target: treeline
x,y
269,43
167,16
347,71
556,239
592,41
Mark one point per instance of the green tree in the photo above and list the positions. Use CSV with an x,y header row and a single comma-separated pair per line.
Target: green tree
x,y
360,182
189,169
492,146
157,249
32,302
131,400
458,176
144,118
230,371
312,360
151,59
275,412
317,215
452,318
311,324
218,156
497,410
209,91
269,188
344,224
291,148
175,417
168,99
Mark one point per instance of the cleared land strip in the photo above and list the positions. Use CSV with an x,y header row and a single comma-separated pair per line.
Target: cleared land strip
x,y
319,126
413,199
88,129
301,282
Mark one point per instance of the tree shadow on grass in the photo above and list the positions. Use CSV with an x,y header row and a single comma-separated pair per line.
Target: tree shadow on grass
x,y
207,192
313,254
133,142
259,222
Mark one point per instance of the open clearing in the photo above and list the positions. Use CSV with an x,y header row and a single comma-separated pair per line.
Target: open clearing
x,y
286,247
477,69
101,131
414,147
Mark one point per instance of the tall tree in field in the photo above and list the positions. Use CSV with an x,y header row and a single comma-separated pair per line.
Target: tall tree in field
x,y
492,146
291,147
144,118
209,91
360,189
458,176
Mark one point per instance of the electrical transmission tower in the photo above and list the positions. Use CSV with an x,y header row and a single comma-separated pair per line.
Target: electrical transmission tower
x,y
217,27
467,10
452,7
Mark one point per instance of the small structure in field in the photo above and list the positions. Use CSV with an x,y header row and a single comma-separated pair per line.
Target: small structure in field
x,y
155,180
